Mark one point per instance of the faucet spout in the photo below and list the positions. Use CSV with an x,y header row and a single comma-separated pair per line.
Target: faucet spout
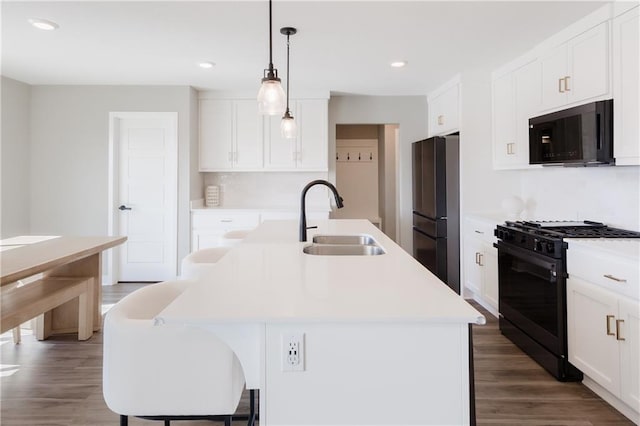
x,y
303,212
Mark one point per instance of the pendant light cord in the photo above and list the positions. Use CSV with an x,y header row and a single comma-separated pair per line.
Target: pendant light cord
x,y
270,40
288,72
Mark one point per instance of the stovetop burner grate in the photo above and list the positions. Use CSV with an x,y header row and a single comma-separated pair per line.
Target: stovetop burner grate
x,y
572,229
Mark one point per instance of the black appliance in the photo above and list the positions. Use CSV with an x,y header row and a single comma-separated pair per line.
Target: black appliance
x,y
436,217
532,273
577,136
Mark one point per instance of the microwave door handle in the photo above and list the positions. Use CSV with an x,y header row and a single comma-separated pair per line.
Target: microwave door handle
x,y
599,131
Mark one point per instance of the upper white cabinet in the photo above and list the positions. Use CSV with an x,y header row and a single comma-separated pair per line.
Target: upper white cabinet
x,y
230,135
234,137
444,108
309,150
577,70
516,98
626,91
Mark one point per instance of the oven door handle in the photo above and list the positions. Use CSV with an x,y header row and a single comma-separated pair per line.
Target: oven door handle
x,y
553,265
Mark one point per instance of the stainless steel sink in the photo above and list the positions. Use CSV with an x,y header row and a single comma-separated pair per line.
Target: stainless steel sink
x,y
344,239
343,250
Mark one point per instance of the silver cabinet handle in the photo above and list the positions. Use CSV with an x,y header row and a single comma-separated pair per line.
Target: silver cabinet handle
x,y
618,322
480,259
440,120
609,318
478,232
477,258
560,80
611,277
226,220
566,83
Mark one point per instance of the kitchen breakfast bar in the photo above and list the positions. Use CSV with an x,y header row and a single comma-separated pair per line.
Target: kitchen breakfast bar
x,y
381,340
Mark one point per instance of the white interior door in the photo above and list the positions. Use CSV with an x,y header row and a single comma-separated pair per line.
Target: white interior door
x,y
146,194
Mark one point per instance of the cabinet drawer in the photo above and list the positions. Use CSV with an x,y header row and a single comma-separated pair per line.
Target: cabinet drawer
x,y
225,220
620,275
480,228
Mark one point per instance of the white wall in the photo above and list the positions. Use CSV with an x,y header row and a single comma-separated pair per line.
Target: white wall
x,y
410,113
69,154
604,194
14,153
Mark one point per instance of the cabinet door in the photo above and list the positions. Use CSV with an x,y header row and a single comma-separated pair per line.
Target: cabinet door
x,y
554,69
473,248
280,153
504,120
588,64
527,85
248,132
216,135
313,142
490,275
629,351
626,72
591,328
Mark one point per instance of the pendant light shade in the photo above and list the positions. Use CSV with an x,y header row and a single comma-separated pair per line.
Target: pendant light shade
x,y
271,97
288,124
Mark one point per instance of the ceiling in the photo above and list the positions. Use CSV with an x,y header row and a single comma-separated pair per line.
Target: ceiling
x,y
341,46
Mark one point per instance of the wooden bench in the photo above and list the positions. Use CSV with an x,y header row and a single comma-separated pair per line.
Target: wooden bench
x,y
20,304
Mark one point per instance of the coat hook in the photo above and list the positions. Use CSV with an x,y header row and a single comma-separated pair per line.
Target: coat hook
x,y
370,156
337,156
348,157
359,157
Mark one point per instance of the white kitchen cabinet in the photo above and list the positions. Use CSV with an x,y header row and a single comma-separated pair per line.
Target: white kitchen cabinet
x,y
577,70
309,150
208,227
626,90
516,98
480,263
231,135
443,106
603,323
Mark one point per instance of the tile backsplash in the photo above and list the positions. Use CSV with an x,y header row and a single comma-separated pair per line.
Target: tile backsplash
x,y
268,190
606,194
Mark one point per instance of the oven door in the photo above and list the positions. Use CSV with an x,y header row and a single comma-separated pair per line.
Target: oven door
x,y
532,295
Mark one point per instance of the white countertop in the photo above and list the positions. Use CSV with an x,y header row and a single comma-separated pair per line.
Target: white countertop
x,y
267,278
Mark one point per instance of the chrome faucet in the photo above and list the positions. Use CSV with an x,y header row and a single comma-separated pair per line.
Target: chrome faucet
x,y
303,213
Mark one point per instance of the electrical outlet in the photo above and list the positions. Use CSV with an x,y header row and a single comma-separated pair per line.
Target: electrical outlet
x,y
293,352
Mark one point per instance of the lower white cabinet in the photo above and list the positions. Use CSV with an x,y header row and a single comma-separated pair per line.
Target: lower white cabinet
x,y
603,324
209,227
480,263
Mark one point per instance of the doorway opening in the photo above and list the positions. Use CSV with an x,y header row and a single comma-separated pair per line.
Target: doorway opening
x,y
366,169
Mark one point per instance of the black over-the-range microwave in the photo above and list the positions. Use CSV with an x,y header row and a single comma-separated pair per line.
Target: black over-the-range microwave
x,y
578,136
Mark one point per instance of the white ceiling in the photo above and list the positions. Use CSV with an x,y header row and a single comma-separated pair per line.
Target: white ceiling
x,y
341,46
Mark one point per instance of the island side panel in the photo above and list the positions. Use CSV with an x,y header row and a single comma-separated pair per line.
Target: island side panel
x,y
369,373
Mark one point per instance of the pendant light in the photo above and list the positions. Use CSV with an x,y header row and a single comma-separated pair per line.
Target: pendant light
x,y
271,97
288,125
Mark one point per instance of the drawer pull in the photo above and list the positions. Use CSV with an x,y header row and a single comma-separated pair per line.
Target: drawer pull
x,y
609,317
226,220
478,232
611,277
618,330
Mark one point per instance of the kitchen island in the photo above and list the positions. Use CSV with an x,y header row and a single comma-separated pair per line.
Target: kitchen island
x,y
381,339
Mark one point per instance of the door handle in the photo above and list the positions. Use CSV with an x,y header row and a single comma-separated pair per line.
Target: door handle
x,y
609,317
618,330
123,208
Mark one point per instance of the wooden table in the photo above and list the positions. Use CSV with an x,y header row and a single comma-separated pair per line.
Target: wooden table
x,y
57,258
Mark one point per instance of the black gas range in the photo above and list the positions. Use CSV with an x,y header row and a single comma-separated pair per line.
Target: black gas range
x,y
532,274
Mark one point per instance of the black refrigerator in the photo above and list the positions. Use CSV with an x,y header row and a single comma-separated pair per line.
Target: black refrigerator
x,y
436,212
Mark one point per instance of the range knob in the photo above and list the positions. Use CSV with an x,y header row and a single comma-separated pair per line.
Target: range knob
x,y
537,244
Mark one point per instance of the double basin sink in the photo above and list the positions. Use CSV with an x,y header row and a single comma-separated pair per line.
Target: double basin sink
x,y
343,245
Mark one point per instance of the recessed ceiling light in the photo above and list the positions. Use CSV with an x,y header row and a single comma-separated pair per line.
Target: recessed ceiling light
x,y
43,24
398,64
206,65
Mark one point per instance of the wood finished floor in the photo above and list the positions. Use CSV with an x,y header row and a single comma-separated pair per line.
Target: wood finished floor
x,y
58,382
